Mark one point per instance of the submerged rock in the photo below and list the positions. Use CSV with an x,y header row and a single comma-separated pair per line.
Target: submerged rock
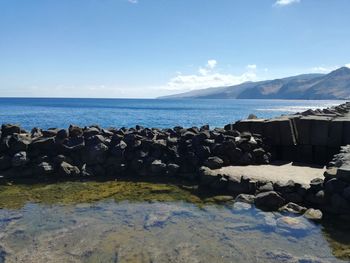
x,y
313,214
269,201
293,208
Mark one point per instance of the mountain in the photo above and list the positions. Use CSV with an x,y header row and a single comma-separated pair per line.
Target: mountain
x,y
335,85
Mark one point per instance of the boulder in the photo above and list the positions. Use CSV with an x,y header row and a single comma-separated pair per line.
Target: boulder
x,y
91,131
43,169
269,201
339,204
10,129
5,162
316,198
18,143
73,144
245,198
346,193
207,176
313,214
343,173
265,187
172,169
62,134
292,224
214,162
334,186
292,208
66,169
330,173
75,131
158,167
316,185
20,159
43,145
95,154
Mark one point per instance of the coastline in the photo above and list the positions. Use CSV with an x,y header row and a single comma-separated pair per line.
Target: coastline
x,y
191,154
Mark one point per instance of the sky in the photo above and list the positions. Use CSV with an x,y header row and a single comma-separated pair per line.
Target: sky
x,y
150,48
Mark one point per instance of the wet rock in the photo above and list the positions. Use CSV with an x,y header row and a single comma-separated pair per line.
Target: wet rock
x,y
269,219
292,224
222,198
313,214
292,208
245,198
20,159
269,201
242,206
214,162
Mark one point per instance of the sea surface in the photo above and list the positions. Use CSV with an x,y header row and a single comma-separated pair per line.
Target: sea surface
x,y
59,113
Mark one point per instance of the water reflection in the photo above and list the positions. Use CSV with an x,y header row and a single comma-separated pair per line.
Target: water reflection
x,y
156,230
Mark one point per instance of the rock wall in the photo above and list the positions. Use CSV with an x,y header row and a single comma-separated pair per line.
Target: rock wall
x,y
93,151
309,137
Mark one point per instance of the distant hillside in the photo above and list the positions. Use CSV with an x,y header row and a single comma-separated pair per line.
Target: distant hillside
x,y
335,85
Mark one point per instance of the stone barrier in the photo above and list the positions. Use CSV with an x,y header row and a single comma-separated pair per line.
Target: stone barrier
x,y
94,151
311,136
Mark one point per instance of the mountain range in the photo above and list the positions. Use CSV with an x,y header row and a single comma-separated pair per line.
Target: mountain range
x,y
334,85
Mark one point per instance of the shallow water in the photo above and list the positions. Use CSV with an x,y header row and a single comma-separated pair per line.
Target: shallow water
x,y
144,222
54,112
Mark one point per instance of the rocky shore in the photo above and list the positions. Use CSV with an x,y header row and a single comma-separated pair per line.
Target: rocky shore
x,y
193,154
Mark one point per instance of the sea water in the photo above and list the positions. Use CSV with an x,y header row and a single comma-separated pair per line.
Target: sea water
x,y
59,113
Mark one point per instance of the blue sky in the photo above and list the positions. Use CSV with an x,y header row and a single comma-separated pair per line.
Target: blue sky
x,y
146,48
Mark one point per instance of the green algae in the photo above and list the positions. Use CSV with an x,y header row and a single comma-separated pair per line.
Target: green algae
x,y
16,196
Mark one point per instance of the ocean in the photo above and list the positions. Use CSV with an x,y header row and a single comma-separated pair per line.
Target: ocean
x,y
60,112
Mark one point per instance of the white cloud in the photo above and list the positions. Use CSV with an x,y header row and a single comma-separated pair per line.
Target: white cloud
x,y
133,1
252,66
347,65
206,78
212,63
322,69
286,2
